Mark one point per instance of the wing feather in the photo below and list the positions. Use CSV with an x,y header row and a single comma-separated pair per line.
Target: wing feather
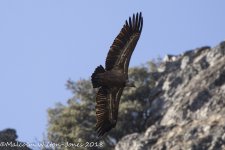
x,y
124,44
103,125
107,104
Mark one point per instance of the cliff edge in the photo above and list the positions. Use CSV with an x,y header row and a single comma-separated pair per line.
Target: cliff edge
x,y
187,109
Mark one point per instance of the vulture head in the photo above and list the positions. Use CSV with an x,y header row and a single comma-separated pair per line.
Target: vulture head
x,y
130,83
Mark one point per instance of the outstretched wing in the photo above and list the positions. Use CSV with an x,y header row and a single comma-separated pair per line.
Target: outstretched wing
x,y
107,104
123,46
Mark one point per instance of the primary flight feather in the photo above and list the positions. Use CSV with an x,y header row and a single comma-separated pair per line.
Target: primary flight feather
x,y
112,79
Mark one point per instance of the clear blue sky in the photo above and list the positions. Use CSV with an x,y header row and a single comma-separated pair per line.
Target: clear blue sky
x,y
45,42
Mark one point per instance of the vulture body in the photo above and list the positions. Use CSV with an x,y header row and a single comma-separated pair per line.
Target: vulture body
x,y
112,79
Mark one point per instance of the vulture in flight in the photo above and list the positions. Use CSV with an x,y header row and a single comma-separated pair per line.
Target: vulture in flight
x,y
112,79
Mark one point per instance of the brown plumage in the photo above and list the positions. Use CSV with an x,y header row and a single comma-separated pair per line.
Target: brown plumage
x,y
112,80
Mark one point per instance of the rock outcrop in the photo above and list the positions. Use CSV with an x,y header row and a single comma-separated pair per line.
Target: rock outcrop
x,y
8,141
187,109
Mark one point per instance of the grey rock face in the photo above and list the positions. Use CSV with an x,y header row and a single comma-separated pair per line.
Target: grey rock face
x,y
189,112
8,141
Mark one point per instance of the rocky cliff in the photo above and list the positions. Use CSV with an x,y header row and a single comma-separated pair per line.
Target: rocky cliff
x,y
187,104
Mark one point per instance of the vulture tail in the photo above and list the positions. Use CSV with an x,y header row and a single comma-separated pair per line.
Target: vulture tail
x,y
96,82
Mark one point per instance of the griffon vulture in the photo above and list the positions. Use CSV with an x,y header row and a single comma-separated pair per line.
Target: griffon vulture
x,y
112,79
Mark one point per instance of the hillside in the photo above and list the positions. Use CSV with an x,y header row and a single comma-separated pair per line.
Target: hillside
x,y
187,104
8,141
